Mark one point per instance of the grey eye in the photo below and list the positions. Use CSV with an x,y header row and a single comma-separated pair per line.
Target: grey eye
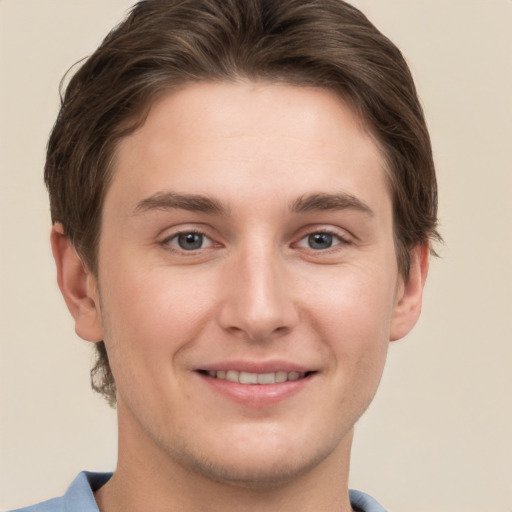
x,y
320,241
190,241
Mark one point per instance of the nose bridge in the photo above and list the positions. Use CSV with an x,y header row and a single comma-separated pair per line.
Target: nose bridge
x,y
258,301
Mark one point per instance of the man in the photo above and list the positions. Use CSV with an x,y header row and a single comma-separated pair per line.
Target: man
x,y
243,198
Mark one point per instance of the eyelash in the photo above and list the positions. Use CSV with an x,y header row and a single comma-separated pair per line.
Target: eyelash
x,y
341,240
168,242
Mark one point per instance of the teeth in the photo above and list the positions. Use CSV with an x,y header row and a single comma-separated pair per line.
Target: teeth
x,y
248,378
281,376
256,378
232,376
266,378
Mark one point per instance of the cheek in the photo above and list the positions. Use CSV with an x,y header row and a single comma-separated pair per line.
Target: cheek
x,y
160,308
353,319
356,304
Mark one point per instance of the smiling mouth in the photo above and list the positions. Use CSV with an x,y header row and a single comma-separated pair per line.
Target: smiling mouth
x,y
242,377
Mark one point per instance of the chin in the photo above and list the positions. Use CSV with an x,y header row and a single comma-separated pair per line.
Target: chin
x,y
254,476
255,467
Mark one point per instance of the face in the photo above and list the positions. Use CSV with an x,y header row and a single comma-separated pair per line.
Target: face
x,y
248,284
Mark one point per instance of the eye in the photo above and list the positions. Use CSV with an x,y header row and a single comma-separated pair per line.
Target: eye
x,y
189,241
320,241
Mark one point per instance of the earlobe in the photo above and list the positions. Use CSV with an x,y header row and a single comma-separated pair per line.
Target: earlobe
x,y
410,294
77,285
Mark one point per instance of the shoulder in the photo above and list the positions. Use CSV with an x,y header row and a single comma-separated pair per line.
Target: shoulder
x,y
78,498
362,502
53,505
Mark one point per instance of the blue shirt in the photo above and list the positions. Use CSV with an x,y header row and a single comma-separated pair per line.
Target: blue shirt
x,y
80,498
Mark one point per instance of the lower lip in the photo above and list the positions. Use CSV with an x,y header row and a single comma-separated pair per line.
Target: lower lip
x,y
257,395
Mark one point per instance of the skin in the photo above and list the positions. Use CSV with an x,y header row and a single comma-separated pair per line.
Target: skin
x,y
258,290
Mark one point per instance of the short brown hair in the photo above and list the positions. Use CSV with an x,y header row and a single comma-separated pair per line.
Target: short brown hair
x,y
163,44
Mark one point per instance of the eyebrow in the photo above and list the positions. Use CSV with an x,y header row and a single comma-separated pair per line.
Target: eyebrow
x,y
199,203
323,202
173,200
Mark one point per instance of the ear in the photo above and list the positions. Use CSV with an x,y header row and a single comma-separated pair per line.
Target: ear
x,y
410,294
77,285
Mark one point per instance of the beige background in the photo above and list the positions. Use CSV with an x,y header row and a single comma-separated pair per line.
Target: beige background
x,y
439,435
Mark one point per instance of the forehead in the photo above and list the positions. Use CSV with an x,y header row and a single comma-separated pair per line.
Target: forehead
x,y
257,137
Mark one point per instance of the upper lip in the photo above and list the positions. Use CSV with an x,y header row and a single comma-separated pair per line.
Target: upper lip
x,y
257,366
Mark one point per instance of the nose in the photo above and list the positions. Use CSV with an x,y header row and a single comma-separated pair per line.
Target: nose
x,y
258,298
